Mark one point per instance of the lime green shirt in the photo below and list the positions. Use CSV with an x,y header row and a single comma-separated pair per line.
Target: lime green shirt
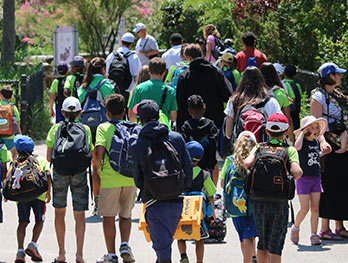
x,y
54,85
16,115
52,134
208,183
237,76
153,90
289,87
70,82
109,178
44,167
224,169
5,155
170,74
106,89
281,97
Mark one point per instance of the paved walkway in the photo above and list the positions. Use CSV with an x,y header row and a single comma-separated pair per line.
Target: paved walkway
x,y
229,251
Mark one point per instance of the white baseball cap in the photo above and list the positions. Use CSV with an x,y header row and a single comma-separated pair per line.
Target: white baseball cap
x,y
128,37
71,104
139,27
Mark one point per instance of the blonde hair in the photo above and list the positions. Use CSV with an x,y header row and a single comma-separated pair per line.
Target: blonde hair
x,y
143,75
242,148
210,30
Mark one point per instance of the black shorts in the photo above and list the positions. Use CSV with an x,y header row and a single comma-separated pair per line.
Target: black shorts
x,y
271,221
39,209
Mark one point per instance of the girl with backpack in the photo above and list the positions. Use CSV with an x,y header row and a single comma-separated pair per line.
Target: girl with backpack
x,y
210,33
309,185
236,202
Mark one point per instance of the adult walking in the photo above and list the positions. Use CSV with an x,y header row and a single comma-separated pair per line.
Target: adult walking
x,y
210,32
327,102
146,47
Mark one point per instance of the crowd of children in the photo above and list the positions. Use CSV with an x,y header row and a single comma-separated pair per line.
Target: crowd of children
x,y
120,150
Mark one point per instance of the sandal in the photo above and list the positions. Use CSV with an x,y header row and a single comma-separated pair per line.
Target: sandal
x,y
342,232
58,261
79,259
328,235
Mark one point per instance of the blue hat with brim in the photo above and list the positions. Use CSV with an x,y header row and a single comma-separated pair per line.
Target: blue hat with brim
x,y
330,68
23,143
195,150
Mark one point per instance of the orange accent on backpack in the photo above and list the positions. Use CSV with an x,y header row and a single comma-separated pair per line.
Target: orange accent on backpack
x,y
6,113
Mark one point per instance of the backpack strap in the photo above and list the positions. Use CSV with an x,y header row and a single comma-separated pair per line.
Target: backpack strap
x,y
164,96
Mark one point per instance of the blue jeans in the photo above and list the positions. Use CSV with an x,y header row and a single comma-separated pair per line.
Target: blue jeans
x,y
162,219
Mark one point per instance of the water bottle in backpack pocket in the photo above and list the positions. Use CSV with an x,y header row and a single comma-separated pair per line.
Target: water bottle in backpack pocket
x,y
93,109
120,157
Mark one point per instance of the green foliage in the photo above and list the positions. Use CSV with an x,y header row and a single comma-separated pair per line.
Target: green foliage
x,y
305,106
40,120
15,72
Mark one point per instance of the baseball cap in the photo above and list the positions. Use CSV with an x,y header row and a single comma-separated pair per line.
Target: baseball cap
x,y
128,37
195,150
250,135
139,27
71,104
78,62
277,122
147,110
227,57
23,143
279,68
329,68
62,67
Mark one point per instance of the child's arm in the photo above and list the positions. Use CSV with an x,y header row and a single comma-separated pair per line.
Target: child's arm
x,y
249,161
4,170
48,193
48,154
211,198
52,97
296,170
299,141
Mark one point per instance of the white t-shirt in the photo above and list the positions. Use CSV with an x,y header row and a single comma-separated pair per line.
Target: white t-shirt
x,y
146,44
272,106
333,110
172,56
133,61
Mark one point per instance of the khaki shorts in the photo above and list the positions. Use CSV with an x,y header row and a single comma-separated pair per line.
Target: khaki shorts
x,y
117,201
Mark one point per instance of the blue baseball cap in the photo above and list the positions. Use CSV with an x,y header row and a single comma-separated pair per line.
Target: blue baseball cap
x,y
329,68
23,143
195,150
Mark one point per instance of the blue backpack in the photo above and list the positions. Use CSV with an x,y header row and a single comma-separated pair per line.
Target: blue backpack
x,y
120,156
180,69
251,61
93,109
236,200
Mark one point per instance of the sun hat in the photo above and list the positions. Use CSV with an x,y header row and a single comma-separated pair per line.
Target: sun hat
x,y
71,104
277,122
195,150
147,110
329,68
127,37
23,143
251,136
139,27
308,120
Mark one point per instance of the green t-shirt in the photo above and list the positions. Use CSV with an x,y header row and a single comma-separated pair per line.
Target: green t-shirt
x,y
209,186
170,74
52,134
16,115
153,90
5,155
106,89
70,82
292,152
281,97
237,76
54,85
44,167
109,178
289,87
224,169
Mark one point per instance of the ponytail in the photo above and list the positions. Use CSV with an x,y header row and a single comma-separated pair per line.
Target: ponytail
x,y
94,67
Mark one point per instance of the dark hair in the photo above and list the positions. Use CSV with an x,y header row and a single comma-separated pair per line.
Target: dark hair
x,y
270,75
276,134
251,90
115,103
193,51
210,30
176,39
199,41
249,39
7,92
290,71
94,67
195,102
327,80
125,43
182,50
157,66
71,116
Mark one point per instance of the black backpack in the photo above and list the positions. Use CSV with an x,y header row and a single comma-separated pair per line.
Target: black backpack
x,y
164,175
295,107
219,47
60,96
77,83
119,70
30,185
71,151
269,178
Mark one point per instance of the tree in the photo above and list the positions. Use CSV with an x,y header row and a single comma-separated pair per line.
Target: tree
x,y
8,32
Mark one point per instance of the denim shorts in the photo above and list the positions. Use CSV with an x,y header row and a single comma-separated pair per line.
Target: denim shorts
x,y
78,187
271,221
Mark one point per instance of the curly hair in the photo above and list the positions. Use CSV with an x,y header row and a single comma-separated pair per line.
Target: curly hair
x,y
210,30
242,148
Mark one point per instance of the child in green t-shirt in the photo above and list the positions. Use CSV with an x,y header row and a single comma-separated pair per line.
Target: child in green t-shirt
x,y
202,183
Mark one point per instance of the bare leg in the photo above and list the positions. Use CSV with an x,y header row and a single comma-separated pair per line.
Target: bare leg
x,y
21,234
325,224
275,258
304,204
59,223
109,228
182,246
262,256
80,227
315,197
199,250
125,225
37,231
248,250
216,174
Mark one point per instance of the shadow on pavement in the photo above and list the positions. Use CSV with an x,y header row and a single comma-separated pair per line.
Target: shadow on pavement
x,y
306,248
94,219
334,242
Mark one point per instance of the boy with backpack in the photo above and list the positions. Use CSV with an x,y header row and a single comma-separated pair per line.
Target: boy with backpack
x,y
117,191
205,132
4,159
69,147
204,186
270,185
57,93
73,82
10,114
162,171
228,65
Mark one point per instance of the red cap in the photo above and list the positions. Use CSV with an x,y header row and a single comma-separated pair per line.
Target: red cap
x,y
277,122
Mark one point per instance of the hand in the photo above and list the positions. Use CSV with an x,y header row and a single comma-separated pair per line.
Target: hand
x,y
48,197
52,113
325,148
143,53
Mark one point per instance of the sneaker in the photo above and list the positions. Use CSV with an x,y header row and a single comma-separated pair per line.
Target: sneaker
x,y
33,252
315,240
184,260
254,260
294,236
126,254
106,259
20,257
